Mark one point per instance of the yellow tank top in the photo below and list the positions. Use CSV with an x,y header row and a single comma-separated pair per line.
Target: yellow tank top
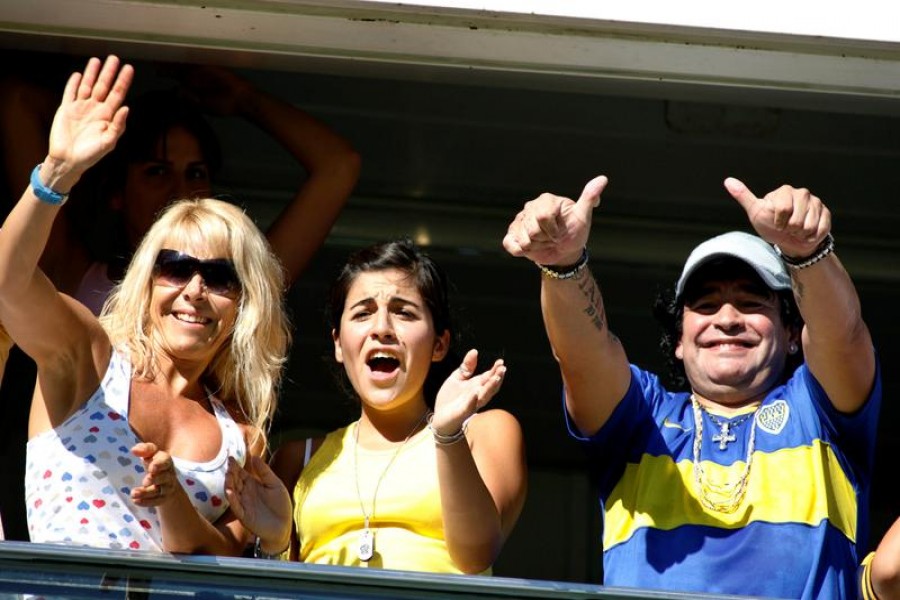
x,y
407,522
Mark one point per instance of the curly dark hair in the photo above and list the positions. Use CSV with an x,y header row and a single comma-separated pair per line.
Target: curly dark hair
x,y
669,313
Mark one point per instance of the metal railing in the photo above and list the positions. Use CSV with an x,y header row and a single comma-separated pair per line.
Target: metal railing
x,y
56,571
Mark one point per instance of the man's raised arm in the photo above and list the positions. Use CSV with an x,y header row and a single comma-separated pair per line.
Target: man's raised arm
x,y
552,231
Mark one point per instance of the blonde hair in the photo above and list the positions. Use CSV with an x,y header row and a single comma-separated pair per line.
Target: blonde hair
x,y
245,373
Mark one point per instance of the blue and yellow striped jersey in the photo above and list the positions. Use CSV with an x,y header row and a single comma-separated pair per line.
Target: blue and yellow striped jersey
x,y
803,513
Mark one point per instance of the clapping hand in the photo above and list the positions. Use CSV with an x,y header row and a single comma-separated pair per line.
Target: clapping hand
x,y
259,499
464,393
160,483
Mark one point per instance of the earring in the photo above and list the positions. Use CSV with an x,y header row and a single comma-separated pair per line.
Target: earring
x,y
792,349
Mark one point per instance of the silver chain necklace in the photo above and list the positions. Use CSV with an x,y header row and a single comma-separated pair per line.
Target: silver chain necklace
x,y
725,435
720,497
366,546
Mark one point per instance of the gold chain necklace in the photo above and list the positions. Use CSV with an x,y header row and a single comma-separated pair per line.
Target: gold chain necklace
x,y
724,497
366,547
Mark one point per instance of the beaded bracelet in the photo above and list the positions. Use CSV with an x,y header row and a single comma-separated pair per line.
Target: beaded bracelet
x,y
825,248
567,272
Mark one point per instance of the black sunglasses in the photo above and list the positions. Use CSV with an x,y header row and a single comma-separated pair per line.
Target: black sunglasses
x,y
177,269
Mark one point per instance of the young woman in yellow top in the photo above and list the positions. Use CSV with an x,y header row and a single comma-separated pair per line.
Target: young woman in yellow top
x,y
421,481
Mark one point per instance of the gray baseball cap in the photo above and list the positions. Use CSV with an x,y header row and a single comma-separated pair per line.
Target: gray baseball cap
x,y
753,250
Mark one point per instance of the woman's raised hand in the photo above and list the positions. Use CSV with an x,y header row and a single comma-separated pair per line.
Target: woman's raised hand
x,y
216,90
89,120
464,393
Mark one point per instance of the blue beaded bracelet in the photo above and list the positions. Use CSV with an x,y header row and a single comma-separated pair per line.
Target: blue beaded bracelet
x,y
43,193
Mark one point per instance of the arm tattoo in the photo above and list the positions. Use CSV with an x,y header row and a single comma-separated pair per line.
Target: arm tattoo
x,y
591,292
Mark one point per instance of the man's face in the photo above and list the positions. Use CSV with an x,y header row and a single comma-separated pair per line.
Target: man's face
x,y
734,344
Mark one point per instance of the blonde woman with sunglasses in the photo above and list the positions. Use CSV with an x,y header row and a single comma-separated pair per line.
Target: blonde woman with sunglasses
x,y
136,413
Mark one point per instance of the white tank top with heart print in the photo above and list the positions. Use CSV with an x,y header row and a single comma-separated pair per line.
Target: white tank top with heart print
x,y
79,476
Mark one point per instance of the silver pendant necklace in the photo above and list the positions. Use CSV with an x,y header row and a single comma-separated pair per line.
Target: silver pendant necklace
x,y
725,435
724,497
366,545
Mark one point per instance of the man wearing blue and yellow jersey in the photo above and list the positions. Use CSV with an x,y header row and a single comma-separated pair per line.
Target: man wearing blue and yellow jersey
x,y
755,479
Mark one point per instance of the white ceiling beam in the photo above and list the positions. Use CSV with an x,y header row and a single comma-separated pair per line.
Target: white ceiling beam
x,y
363,35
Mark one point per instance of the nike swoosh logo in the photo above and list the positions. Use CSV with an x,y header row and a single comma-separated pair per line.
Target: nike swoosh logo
x,y
671,425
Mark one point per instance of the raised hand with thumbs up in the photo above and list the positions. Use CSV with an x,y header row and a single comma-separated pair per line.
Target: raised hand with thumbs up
x,y
553,230
792,218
